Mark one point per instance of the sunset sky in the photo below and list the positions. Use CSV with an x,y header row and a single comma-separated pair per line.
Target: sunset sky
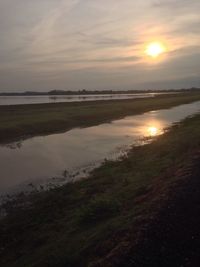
x,y
98,44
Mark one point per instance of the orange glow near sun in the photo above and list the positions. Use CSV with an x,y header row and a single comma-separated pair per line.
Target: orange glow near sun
x,y
155,49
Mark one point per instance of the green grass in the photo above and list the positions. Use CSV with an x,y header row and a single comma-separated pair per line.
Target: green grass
x,y
28,120
80,224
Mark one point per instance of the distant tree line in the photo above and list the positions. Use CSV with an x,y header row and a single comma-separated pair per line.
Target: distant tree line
x,y
94,92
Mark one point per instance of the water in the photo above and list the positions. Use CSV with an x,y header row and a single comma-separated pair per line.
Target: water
x,y
58,158
17,100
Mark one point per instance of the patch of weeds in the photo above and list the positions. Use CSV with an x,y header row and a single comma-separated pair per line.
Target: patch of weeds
x,y
143,190
98,210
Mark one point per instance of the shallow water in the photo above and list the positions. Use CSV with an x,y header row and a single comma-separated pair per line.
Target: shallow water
x,y
57,158
17,100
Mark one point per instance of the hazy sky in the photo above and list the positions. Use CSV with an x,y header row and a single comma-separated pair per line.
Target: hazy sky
x,y
98,44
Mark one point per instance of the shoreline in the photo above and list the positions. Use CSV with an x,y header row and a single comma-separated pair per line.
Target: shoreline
x,y
25,121
96,221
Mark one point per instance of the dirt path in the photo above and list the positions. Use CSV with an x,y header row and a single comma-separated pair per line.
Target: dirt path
x,y
173,240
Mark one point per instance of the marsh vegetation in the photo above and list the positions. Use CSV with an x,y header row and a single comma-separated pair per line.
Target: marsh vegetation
x,y
96,222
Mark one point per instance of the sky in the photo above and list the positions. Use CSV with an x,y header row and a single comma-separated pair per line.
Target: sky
x,y
98,44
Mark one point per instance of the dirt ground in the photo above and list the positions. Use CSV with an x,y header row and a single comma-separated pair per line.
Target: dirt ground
x,y
173,238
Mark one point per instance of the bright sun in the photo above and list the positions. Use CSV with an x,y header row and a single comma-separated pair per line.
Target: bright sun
x,y
155,49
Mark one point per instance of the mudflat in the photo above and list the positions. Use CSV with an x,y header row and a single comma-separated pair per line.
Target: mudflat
x,y
21,121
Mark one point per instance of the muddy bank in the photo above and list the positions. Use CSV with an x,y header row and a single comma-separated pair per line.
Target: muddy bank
x,y
109,219
23,121
173,237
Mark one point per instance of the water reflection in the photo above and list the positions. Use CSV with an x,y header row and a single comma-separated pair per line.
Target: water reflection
x,y
17,100
14,145
68,156
153,131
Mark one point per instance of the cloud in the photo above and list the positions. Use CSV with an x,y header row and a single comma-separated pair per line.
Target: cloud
x,y
88,43
174,3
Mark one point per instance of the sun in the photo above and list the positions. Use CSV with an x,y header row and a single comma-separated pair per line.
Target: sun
x,y
155,49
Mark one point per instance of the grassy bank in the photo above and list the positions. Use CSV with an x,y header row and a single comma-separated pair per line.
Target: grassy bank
x,y
28,120
95,220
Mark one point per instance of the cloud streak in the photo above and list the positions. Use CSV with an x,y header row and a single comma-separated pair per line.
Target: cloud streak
x,y
70,44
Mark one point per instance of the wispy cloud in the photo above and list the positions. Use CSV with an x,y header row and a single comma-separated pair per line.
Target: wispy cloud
x,y
89,42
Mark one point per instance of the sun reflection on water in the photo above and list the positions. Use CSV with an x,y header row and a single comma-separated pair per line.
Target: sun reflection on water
x,y
153,131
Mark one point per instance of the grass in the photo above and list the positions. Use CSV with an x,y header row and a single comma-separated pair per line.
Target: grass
x,y
82,223
22,121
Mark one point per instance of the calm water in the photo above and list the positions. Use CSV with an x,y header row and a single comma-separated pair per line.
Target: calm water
x,y
56,158
17,100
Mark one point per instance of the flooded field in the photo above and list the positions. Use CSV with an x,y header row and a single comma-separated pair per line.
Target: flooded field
x,y
67,156
18,100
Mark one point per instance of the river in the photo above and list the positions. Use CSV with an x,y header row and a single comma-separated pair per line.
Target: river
x,y
60,158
